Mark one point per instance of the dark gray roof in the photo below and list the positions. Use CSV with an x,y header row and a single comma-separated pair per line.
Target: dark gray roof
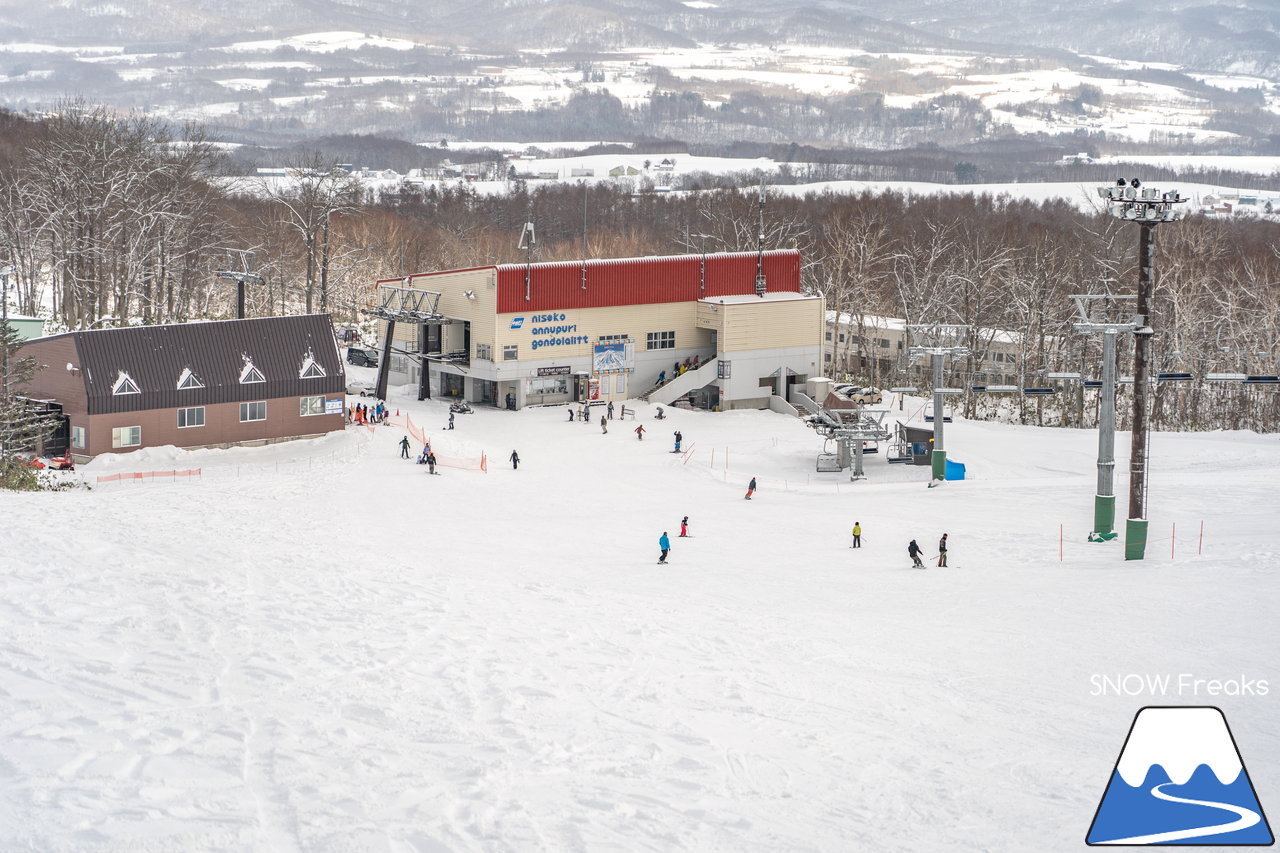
x,y
154,357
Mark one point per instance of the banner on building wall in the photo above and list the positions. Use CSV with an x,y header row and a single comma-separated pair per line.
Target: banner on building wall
x,y
616,356
562,370
334,405
593,390
724,369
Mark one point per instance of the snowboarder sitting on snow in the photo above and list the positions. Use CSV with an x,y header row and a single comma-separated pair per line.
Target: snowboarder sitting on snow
x,y
422,457
914,550
660,415
665,544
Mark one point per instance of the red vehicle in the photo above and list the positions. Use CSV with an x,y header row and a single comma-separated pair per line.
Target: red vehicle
x,y
30,461
62,463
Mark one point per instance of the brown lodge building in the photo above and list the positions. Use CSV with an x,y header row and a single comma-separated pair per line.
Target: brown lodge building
x,y
191,385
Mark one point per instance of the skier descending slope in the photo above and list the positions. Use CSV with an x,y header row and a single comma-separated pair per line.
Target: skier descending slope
x,y
665,544
914,550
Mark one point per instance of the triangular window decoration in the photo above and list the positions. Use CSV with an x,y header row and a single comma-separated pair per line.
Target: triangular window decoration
x,y
250,374
311,370
125,385
188,380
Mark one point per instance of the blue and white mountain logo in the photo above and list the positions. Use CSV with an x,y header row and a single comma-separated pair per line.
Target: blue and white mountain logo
x,y
1180,780
517,322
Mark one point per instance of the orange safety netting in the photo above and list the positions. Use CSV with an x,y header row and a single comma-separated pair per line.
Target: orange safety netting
x,y
148,475
480,463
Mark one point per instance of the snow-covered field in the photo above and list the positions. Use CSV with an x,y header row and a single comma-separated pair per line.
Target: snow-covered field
x,y
317,646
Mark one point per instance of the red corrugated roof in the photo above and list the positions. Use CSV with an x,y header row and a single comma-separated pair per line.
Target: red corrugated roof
x,y
641,281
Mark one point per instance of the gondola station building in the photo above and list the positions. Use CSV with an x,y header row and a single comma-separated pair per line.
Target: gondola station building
x,y
214,384
716,331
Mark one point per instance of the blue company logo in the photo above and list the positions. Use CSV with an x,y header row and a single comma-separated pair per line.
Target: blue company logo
x,y
1180,780
517,322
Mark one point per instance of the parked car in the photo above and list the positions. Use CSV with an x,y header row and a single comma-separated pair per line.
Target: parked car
x,y
362,357
866,395
364,389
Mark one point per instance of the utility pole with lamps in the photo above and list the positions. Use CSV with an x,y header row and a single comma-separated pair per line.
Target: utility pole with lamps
x,y
1132,202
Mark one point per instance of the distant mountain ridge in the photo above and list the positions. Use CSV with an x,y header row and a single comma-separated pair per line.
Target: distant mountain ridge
x,y
1244,36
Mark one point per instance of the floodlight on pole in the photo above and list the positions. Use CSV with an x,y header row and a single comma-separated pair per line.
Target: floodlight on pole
x,y
1131,201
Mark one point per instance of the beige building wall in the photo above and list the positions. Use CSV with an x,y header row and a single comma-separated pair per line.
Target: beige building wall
x,y
772,324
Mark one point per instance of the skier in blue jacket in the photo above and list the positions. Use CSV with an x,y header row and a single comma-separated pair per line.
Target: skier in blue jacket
x,y
665,544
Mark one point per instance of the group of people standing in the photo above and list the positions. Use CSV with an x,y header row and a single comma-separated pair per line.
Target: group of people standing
x,y
364,415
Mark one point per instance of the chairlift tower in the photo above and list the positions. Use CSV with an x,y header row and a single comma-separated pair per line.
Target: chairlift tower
x,y
1132,202
240,270
406,305
938,355
1104,502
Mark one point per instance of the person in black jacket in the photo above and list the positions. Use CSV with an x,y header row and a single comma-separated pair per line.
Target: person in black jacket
x,y
751,488
515,460
914,550
942,550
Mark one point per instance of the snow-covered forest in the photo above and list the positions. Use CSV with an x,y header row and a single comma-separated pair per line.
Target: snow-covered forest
x,y
110,217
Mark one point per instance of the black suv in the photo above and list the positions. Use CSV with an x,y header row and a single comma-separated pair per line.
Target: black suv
x,y
362,357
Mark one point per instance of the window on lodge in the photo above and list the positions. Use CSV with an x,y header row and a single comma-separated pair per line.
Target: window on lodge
x,y
256,411
604,339
661,340
191,417
308,406
549,385
484,352
510,352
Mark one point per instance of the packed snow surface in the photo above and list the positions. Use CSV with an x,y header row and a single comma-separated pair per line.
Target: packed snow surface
x,y
316,646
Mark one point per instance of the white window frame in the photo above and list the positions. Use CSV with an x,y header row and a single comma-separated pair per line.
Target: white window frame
x,y
511,352
244,411
311,370
125,385
251,375
314,404
660,340
130,436
484,352
185,417
189,380
79,437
